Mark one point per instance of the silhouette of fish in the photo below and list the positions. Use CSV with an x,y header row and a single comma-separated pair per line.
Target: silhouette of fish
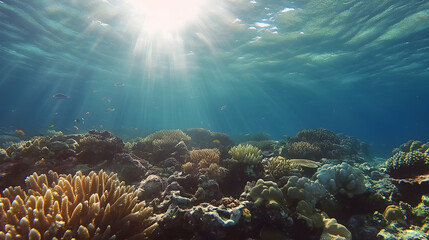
x,y
60,96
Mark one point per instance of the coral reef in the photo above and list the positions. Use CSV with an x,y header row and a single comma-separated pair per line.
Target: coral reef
x,y
323,192
341,179
62,153
97,206
316,144
246,154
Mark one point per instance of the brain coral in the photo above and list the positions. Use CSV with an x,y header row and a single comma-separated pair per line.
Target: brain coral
x,y
341,179
97,206
247,154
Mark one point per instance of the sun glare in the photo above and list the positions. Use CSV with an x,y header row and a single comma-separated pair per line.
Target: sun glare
x,y
165,15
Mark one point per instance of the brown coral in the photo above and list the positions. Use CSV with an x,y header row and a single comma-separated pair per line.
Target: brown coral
x,y
204,161
97,206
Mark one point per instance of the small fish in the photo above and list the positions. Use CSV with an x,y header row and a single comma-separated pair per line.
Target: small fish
x,y
87,113
105,99
108,110
76,120
136,129
223,107
119,84
60,96
75,127
51,126
20,132
216,141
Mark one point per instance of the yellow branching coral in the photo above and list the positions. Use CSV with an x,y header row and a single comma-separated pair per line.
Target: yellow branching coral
x,y
279,167
246,154
97,206
166,137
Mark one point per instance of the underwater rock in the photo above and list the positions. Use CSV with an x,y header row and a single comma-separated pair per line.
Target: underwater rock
x,y
129,169
97,146
363,227
204,221
151,187
3,155
208,190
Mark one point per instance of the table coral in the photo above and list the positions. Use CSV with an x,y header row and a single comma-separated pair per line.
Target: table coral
x,y
97,206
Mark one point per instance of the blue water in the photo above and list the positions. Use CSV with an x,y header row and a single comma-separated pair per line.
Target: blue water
x,y
355,67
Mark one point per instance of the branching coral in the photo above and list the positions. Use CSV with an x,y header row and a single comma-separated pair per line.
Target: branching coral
x,y
164,138
204,161
97,206
279,167
247,154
